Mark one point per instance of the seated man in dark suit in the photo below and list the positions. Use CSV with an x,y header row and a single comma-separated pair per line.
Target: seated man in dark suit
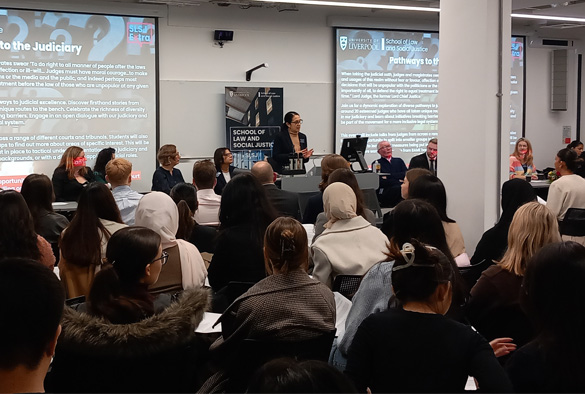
x,y
427,159
285,202
394,170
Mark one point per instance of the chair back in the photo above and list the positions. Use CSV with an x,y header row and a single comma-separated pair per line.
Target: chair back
x,y
574,223
371,201
251,354
347,285
228,294
304,198
472,273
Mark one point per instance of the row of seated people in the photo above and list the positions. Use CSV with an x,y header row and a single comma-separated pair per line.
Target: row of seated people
x,y
340,210
122,323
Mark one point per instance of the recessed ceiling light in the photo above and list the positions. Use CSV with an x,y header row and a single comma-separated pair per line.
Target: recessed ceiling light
x,y
549,17
355,5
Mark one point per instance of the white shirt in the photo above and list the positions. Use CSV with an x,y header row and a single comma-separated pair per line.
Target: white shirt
x,y
127,201
566,192
208,212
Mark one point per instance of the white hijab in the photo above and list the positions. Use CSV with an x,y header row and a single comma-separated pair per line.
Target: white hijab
x,y
158,211
339,202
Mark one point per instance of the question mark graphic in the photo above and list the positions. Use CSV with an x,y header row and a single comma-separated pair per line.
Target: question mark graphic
x,y
111,40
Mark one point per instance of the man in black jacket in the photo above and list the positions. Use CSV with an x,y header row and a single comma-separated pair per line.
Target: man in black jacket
x,y
286,203
428,159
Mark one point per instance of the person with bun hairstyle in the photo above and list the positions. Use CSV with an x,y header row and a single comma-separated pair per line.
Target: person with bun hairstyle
x,y
521,161
416,348
166,175
288,305
71,175
289,140
569,190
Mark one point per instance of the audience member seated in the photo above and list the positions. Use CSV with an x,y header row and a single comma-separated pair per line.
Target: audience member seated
x,y
185,268
83,243
414,219
125,330
17,231
577,146
245,214
119,292
345,175
102,159
71,175
393,169
223,160
350,245
287,305
427,160
411,175
31,309
204,179
521,161
569,190
119,175
431,189
554,297
416,348
494,307
203,237
166,175
286,203
286,375
314,205
37,190
493,243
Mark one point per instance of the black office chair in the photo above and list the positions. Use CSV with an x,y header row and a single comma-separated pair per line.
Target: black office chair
x,y
472,273
251,354
303,198
574,223
228,294
347,285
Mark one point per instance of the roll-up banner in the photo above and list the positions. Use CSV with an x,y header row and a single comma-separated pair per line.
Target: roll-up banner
x,y
252,117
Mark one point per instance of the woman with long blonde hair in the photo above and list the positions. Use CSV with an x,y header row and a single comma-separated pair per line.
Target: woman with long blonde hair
x,y
494,306
522,161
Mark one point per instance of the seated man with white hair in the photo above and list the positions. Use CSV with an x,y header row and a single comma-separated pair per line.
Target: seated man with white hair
x,y
392,171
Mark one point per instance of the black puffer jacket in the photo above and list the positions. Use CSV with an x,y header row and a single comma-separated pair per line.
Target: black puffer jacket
x,y
159,354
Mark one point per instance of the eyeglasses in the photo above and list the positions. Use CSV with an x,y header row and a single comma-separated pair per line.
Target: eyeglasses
x,y
227,154
300,121
163,258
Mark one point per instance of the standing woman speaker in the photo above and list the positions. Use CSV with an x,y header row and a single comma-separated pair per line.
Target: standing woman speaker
x,y
289,140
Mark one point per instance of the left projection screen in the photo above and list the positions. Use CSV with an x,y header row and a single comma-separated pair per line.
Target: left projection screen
x,y
76,79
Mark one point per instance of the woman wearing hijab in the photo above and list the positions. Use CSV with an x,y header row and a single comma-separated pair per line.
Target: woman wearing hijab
x,y
350,245
493,243
185,267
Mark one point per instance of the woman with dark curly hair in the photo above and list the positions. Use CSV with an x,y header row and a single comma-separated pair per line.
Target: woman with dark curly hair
x,y
223,160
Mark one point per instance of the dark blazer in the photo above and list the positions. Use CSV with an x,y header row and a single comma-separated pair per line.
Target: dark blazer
x,y
164,181
421,161
313,208
285,202
221,182
69,189
283,147
395,167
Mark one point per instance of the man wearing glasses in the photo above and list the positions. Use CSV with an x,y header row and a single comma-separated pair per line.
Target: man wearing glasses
x,y
392,171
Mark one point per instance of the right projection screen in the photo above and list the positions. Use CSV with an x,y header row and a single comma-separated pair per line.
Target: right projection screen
x,y
387,89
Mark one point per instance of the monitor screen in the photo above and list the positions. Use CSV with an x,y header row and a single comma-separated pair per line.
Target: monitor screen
x,y
351,148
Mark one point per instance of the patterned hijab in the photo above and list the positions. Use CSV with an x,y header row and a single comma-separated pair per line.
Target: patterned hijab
x,y
339,202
